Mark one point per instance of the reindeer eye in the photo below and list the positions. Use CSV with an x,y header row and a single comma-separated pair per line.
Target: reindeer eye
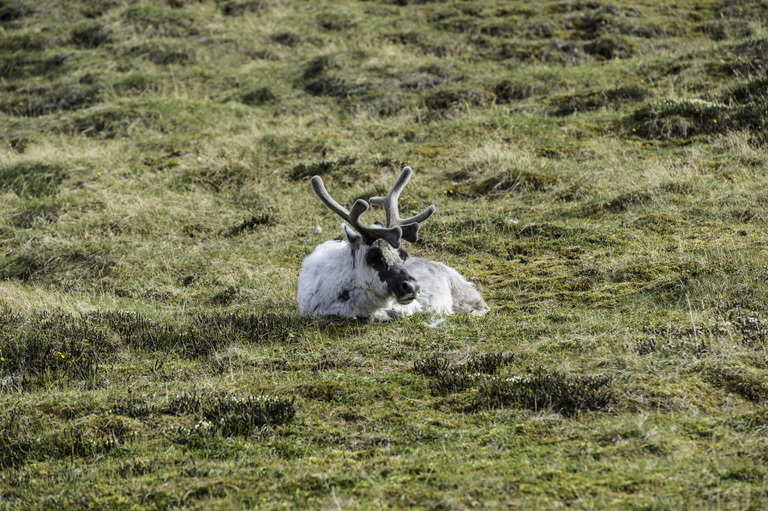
x,y
403,254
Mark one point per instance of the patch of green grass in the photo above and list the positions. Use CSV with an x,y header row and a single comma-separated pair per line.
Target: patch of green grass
x,y
32,179
599,172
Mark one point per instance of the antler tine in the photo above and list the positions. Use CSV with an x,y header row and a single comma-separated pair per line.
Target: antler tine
x,y
317,185
391,235
390,203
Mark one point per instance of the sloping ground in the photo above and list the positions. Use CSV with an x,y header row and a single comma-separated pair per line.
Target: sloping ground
x,y
599,171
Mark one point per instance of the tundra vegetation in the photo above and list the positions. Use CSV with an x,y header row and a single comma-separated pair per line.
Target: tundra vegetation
x,y
600,171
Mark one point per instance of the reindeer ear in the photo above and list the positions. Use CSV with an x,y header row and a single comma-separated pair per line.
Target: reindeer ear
x,y
351,236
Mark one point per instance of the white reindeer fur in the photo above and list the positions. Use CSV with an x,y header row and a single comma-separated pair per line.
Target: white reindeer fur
x,y
443,291
334,267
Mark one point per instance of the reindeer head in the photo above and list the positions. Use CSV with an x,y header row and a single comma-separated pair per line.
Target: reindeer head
x,y
378,259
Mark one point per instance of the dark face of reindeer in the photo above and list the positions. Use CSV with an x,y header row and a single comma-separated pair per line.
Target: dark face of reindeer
x,y
388,263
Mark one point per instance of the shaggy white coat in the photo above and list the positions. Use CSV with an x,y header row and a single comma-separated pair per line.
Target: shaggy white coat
x,y
443,291
336,281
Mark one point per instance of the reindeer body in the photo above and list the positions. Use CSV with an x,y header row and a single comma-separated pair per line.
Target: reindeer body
x,y
368,275
443,291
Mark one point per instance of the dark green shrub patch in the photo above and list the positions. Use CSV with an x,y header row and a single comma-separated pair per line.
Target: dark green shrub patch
x,y
750,91
611,47
109,121
721,30
201,335
449,378
232,416
323,168
540,389
318,66
334,21
134,407
287,38
21,65
602,19
431,366
93,435
509,91
451,382
91,35
42,349
628,199
50,100
752,327
50,345
14,446
594,99
444,100
36,215
164,52
58,266
752,117
12,11
335,87
88,436
249,225
257,97
695,348
485,363
242,7
28,41
742,381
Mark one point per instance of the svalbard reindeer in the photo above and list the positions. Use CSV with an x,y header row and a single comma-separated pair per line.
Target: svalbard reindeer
x,y
369,275
363,275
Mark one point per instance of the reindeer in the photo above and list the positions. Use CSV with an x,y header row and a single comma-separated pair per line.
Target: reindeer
x,y
368,274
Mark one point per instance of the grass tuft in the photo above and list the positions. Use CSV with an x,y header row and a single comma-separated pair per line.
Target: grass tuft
x,y
541,389
304,170
31,179
669,119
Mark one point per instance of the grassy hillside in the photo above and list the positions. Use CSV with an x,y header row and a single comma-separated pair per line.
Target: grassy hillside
x,y
599,171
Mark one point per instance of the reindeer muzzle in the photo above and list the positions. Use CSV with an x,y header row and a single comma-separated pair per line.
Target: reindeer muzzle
x,y
407,292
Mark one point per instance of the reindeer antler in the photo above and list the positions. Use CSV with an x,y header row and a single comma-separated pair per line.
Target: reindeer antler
x,y
410,226
370,234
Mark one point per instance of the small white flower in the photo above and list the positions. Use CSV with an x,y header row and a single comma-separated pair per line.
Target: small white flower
x,y
318,229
